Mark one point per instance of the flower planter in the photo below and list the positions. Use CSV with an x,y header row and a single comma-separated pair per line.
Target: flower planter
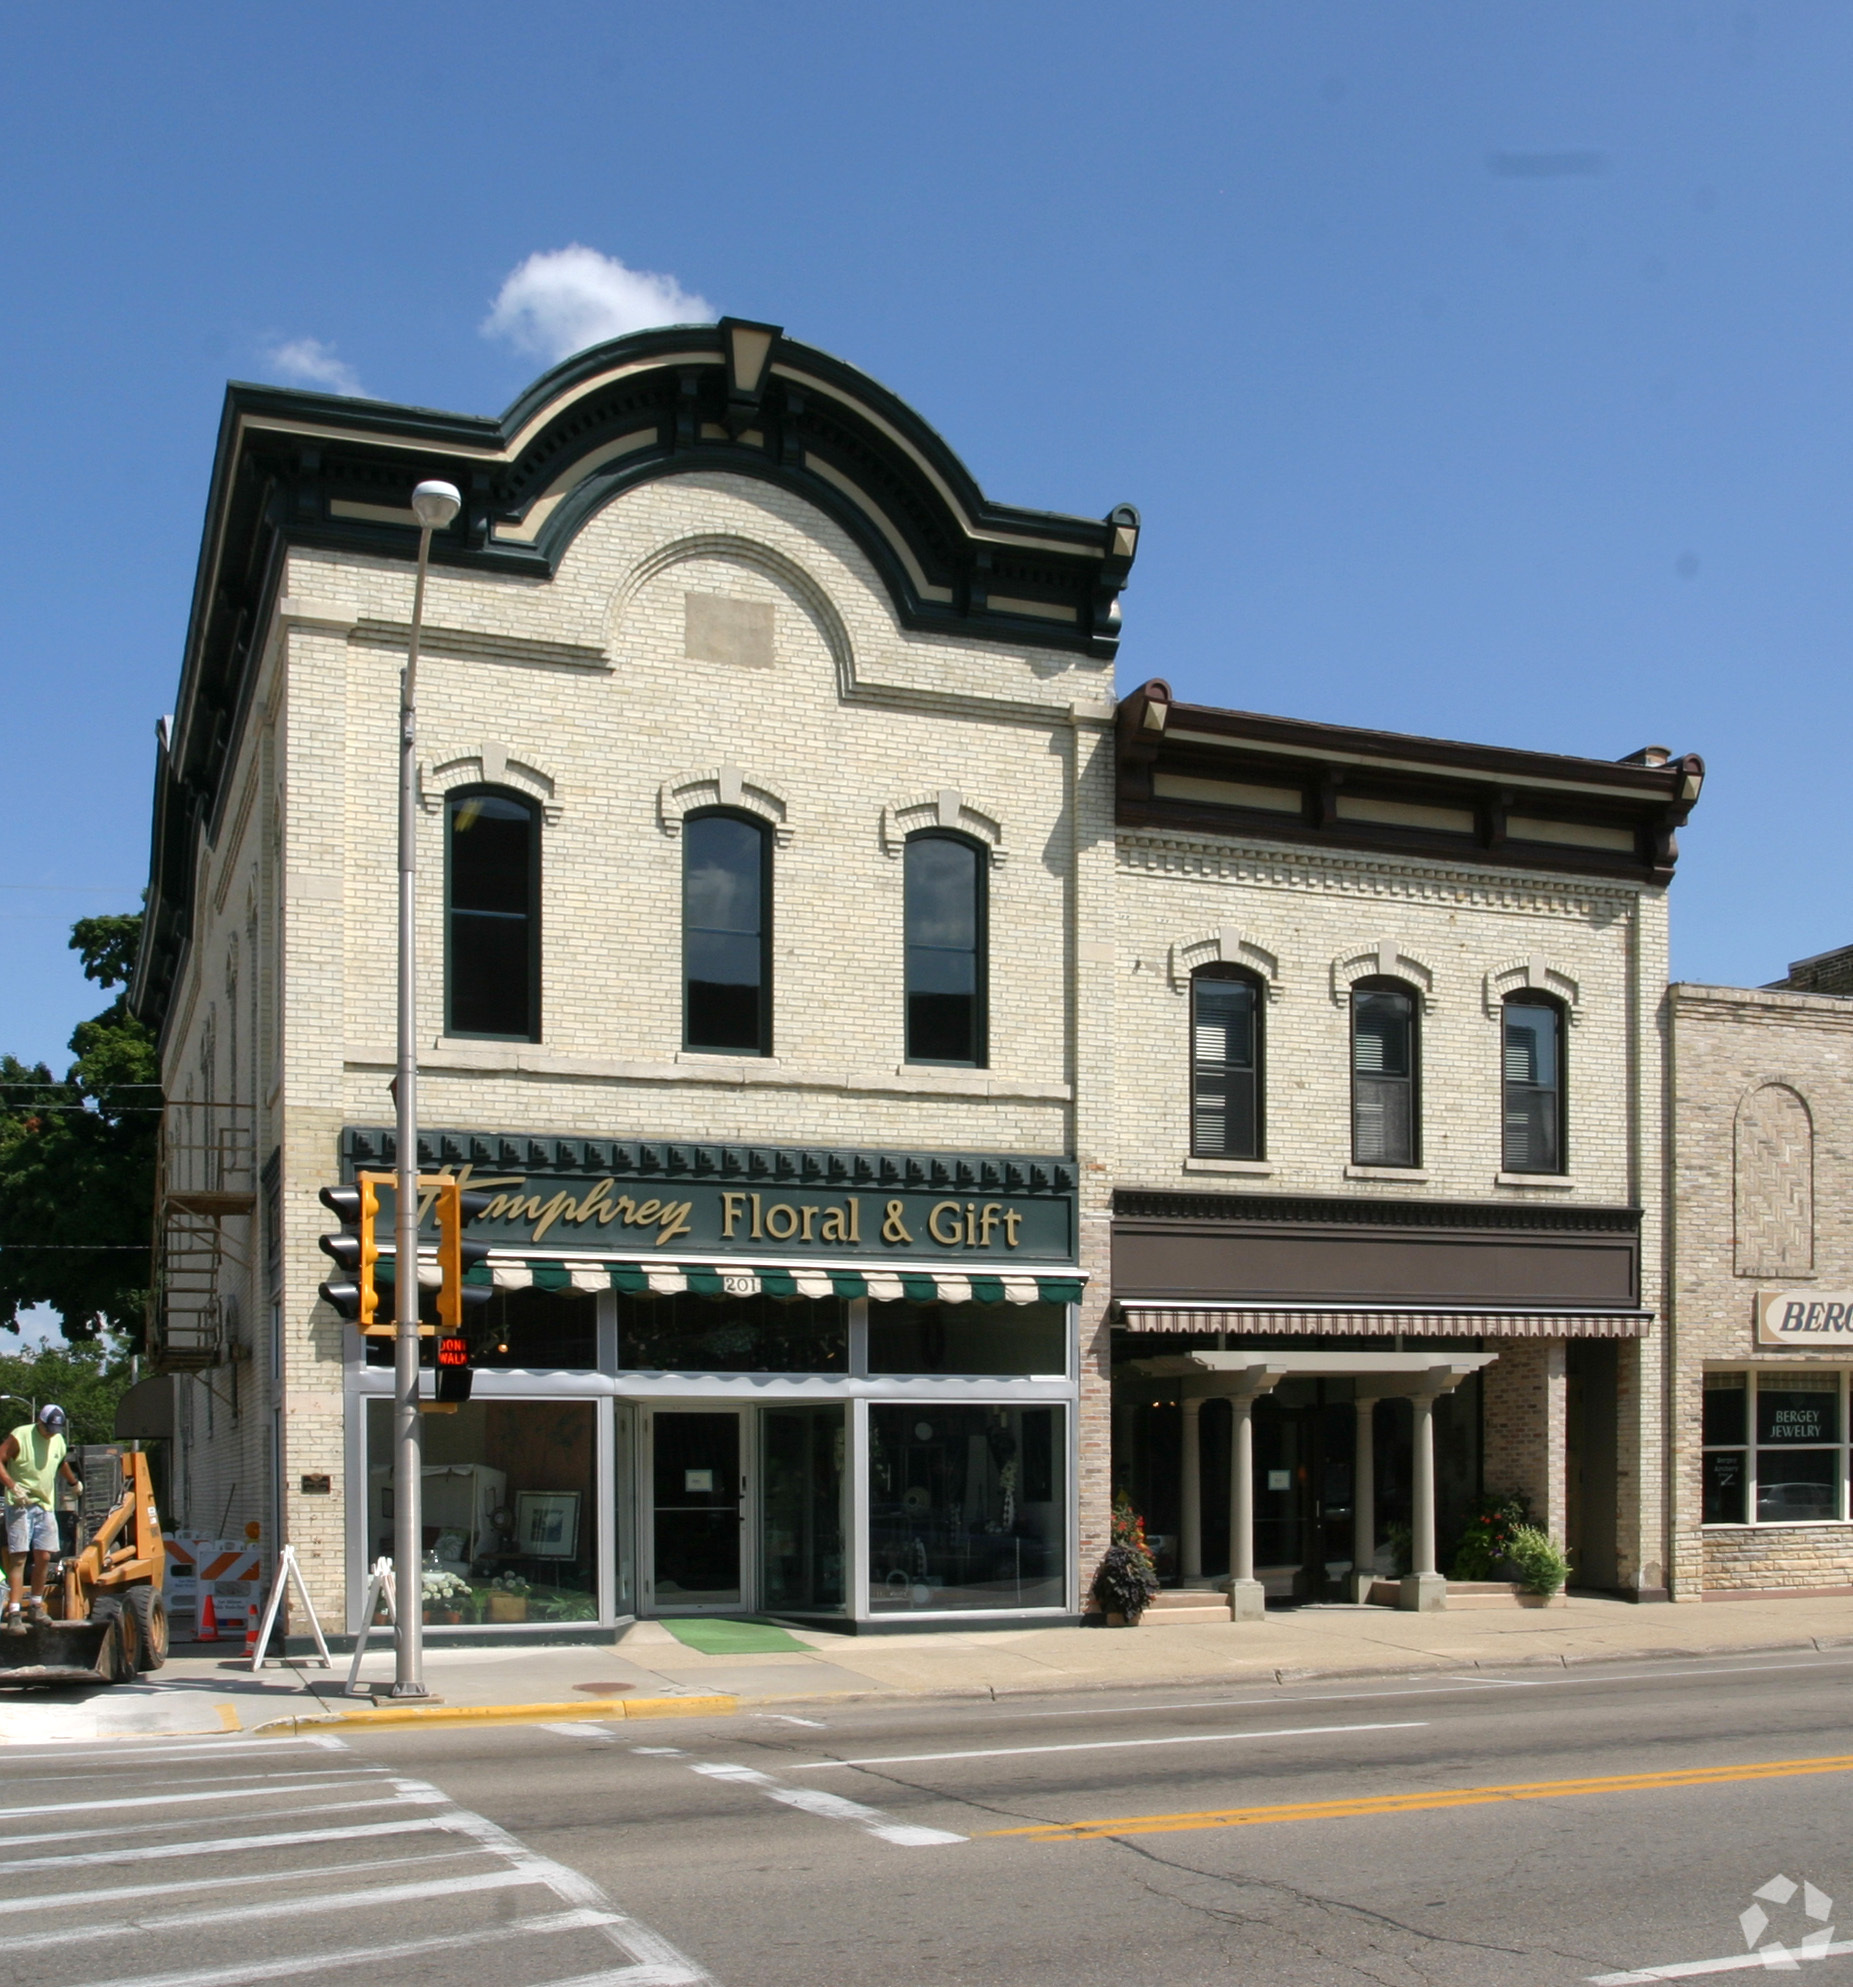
x,y
508,1607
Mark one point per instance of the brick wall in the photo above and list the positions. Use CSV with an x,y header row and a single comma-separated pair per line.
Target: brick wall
x,y
1761,1193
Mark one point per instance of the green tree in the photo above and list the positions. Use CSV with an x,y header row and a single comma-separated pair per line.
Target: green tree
x,y
77,1161
85,1380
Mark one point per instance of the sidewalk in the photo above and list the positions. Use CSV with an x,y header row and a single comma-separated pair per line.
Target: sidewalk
x,y
210,1692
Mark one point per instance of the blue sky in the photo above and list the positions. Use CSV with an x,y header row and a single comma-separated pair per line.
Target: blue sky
x,y
1480,369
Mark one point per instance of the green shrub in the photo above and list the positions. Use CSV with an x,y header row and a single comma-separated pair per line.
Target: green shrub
x,y
1488,1537
1542,1564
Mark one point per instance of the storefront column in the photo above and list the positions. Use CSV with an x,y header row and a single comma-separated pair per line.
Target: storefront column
x,y
1190,1530
1247,1596
1423,1590
1363,1499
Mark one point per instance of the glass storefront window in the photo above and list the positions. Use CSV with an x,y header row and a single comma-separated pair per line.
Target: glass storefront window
x,y
510,1513
1798,1452
967,1507
803,1451
688,1334
1008,1339
531,1331
1774,1446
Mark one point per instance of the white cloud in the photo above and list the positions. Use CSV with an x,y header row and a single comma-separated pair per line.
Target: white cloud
x,y
563,299
308,362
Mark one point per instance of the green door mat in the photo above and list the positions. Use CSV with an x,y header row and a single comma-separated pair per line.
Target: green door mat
x,y
715,1636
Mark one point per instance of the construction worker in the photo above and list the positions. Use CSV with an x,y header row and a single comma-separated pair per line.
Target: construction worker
x,y
31,1459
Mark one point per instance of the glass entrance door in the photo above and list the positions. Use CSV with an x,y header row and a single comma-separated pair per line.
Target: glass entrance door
x,y
697,1483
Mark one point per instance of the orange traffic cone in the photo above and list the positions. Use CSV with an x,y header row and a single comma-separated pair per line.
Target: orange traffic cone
x,y
250,1630
208,1620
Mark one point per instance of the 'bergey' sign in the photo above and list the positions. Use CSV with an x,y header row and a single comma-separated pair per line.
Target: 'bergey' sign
x,y
1813,1318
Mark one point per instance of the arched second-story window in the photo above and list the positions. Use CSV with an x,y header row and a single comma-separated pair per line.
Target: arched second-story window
x,y
1531,1074
945,918
1225,1064
727,935
491,914
1385,1075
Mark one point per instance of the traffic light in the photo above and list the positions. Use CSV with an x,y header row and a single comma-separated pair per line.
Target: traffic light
x,y
453,1371
354,1248
456,1207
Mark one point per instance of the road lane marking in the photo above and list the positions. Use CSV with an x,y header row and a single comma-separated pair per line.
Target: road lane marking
x,y
351,1899
191,1821
1686,1969
584,1919
319,1785
1420,1803
66,1900
1106,1745
602,1733
832,1807
225,1845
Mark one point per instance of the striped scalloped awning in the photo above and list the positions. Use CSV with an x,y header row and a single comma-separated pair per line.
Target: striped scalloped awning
x,y
639,1279
1139,1316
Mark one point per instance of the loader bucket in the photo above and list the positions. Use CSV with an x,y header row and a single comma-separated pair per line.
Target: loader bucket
x,y
65,1652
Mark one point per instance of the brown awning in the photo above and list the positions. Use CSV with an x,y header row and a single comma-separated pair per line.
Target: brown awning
x,y
1143,1317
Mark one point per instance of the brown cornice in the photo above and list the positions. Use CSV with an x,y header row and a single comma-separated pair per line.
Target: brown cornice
x,y
1513,809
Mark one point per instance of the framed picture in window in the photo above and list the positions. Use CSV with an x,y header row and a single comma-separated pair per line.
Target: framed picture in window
x,y
547,1523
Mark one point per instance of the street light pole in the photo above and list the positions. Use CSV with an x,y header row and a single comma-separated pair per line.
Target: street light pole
x,y
434,504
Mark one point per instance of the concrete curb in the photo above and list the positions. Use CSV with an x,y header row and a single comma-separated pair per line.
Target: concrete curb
x,y
1261,1679
605,1710
1415,1670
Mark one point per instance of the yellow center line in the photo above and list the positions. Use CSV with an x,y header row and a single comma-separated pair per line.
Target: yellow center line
x,y
1403,1804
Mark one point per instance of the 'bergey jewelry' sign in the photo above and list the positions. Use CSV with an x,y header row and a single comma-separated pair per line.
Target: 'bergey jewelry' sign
x,y
1811,1318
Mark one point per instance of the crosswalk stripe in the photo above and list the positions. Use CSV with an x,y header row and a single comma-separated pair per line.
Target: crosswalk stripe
x,y
171,1800
192,1821
225,1845
67,1900
581,1919
289,1907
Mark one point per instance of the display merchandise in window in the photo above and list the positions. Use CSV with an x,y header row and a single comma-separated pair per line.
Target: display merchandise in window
x,y
508,1507
967,1507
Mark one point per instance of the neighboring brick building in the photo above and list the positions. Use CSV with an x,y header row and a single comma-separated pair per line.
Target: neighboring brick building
x,y
1761,1222
883,1042
1440,1127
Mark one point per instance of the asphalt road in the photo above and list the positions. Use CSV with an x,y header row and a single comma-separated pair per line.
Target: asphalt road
x,y
1548,1827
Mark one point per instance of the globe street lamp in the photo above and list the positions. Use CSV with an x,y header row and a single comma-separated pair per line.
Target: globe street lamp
x,y
434,505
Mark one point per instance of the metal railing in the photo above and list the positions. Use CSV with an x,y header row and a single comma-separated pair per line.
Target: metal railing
x,y
205,1178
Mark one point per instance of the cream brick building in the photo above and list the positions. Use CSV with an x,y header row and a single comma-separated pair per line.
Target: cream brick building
x,y
1762,1225
816,997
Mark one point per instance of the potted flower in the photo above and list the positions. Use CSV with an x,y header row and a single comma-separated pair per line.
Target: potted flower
x,y
444,1597
508,1597
1127,1579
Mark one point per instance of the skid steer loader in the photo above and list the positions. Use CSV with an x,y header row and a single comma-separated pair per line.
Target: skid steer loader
x,y
108,1620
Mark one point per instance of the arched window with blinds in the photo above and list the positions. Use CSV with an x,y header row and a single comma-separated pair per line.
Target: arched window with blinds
x,y
1385,1075
1532,1076
1225,1064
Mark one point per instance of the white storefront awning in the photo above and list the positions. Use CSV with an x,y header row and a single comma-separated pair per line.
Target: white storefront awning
x,y
1138,1315
633,1278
